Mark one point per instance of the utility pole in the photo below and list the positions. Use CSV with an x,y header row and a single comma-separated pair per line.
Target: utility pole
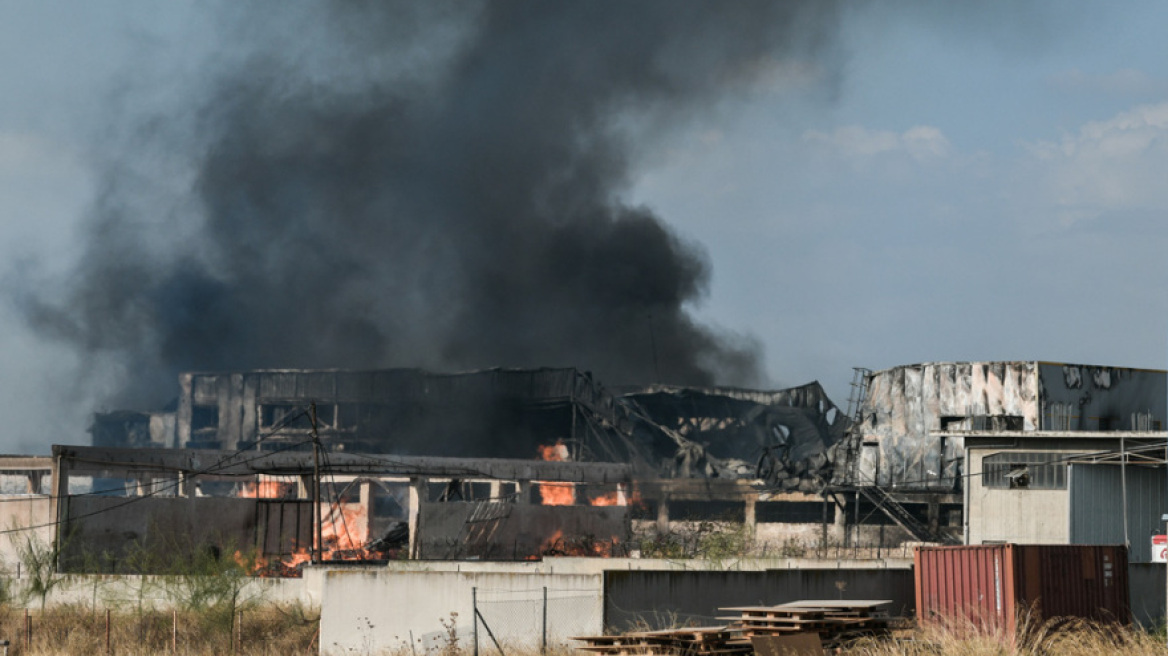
x,y
318,553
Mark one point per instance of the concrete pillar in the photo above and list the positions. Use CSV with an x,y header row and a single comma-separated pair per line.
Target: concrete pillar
x,y
304,487
523,490
366,498
663,514
35,481
186,485
419,490
496,490
750,519
934,511
839,528
59,501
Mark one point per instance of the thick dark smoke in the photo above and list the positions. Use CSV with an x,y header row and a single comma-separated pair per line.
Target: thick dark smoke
x,y
443,189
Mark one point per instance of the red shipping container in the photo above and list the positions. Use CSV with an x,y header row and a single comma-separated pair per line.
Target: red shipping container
x,y
988,585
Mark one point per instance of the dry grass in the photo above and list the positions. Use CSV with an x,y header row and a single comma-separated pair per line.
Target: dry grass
x,y
278,630
266,631
1064,637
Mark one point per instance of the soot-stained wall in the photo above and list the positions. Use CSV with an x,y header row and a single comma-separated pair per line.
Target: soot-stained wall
x,y
905,407
517,531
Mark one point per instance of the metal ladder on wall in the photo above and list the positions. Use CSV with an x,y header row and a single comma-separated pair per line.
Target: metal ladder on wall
x,y
854,438
872,492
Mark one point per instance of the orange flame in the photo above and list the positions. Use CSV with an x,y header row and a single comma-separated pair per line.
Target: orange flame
x,y
345,529
265,490
618,498
557,452
557,545
556,494
344,532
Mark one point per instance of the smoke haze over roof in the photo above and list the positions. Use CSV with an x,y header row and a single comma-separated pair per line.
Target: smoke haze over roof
x,y
428,184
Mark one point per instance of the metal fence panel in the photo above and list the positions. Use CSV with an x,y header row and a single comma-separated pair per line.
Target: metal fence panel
x,y
544,618
1097,504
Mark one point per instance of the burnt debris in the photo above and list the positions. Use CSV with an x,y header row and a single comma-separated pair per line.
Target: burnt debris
x,y
784,437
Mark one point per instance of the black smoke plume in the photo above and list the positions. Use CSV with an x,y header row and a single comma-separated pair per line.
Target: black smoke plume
x,y
429,184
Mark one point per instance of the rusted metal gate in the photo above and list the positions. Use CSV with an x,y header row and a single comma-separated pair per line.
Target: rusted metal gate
x,y
283,526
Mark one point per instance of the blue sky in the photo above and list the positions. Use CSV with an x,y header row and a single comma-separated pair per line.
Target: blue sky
x,y
967,184
988,193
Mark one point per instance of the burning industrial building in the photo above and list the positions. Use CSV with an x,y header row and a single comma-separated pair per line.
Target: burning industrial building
x,y
662,437
503,413
788,464
403,305
387,202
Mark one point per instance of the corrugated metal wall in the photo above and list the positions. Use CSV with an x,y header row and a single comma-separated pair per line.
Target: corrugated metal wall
x,y
965,584
1073,581
1097,502
1146,583
1100,398
661,599
990,584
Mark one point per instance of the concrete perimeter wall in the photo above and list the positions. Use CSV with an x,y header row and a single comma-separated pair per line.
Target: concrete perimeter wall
x,y
124,591
368,610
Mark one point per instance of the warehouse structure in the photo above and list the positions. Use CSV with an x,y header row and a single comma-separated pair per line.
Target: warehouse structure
x,y
906,458
662,430
1067,487
902,463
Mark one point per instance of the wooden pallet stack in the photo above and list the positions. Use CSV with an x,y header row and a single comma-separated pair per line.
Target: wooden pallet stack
x,y
832,622
689,641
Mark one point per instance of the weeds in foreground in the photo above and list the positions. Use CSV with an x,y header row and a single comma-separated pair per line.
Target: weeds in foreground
x,y
273,630
1058,637
77,629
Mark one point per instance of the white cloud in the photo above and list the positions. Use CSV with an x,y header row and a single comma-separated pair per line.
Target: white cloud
x,y
922,142
1117,164
925,142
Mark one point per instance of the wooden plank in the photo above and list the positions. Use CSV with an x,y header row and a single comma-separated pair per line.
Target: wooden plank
x,y
838,603
798,644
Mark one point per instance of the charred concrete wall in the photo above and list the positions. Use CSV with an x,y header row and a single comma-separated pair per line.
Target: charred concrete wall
x,y
490,413
129,428
518,531
904,404
136,534
1088,398
905,407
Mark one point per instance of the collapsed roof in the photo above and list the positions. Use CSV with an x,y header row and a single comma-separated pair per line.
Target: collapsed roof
x,y
784,436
